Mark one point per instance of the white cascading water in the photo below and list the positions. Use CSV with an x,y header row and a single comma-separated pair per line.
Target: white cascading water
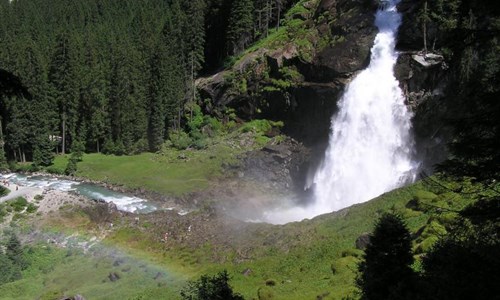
x,y
371,146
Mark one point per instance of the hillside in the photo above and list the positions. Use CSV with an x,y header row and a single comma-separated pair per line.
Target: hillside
x,y
218,114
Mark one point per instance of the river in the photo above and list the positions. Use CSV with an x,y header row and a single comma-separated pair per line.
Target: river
x,y
92,191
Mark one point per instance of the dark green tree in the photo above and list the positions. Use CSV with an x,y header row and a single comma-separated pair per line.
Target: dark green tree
x,y
210,288
464,264
43,154
8,271
240,27
63,87
14,252
385,272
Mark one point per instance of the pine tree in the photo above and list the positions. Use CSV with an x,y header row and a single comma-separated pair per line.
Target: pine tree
x,y
240,28
14,252
43,151
61,75
385,273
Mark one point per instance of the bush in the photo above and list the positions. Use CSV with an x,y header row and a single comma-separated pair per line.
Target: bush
x,y
54,170
108,147
210,288
31,208
19,204
3,191
71,167
180,140
265,293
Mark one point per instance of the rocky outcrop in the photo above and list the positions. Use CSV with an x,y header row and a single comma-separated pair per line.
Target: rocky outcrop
x,y
299,88
276,166
424,78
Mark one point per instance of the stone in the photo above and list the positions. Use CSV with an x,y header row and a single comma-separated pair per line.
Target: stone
x,y
362,241
428,60
113,276
247,272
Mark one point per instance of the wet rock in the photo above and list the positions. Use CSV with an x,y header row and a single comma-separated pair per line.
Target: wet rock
x,y
428,60
247,272
362,241
126,269
76,297
276,166
113,276
118,262
112,207
159,275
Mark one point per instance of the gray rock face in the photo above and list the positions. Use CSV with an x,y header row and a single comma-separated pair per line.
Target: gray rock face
x,y
307,106
362,241
276,166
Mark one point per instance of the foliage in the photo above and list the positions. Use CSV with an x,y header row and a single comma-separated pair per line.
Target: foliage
x,y
260,126
43,154
76,156
4,166
180,140
386,271
3,191
469,31
77,150
18,204
210,288
12,261
464,264
71,167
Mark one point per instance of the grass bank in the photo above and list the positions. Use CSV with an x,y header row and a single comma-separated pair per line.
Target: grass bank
x,y
175,173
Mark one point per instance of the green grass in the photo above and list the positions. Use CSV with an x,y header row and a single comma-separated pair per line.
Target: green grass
x,y
317,257
55,273
174,173
301,260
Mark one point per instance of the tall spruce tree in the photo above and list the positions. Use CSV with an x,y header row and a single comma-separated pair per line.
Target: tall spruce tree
x,y
385,272
240,27
63,87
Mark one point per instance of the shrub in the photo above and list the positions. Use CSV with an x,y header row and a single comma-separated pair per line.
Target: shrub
x,y
180,140
108,147
210,288
3,191
71,167
31,208
265,293
19,204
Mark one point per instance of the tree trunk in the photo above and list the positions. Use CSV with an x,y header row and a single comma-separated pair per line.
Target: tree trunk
x,y
23,155
2,143
278,4
98,150
424,25
63,148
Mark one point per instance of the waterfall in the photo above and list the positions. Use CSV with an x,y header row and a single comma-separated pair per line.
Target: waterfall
x,y
371,147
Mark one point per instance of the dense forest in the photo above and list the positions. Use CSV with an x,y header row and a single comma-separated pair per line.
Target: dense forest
x,y
116,76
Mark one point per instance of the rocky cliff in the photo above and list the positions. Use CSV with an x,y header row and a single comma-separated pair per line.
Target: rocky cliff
x,y
297,74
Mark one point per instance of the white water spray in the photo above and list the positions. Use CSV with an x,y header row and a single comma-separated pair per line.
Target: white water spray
x,y
371,147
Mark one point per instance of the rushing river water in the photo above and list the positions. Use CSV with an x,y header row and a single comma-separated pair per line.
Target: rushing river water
x,y
91,191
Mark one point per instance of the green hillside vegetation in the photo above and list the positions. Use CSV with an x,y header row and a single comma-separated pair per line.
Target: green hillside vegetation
x,y
294,261
113,84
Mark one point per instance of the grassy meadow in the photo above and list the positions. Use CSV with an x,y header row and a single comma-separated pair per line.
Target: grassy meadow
x,y
301,260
